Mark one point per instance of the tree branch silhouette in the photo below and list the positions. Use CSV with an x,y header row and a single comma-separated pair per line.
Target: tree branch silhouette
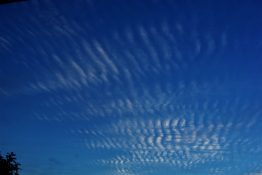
x,y
9,165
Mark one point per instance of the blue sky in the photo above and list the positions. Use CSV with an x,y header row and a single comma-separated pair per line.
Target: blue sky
x,y
132,87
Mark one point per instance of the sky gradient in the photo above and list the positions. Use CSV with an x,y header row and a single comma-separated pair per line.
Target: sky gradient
x,y
141,87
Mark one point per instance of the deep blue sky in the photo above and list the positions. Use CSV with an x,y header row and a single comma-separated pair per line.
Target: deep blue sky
x,y
118,87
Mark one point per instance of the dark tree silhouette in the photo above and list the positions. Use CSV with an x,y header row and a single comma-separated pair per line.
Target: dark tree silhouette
x,y
10,1
9,165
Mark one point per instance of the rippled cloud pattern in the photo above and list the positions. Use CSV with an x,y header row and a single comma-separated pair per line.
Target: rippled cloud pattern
x,y
132,87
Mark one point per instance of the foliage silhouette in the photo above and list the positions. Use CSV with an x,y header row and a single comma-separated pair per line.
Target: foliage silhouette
x,y
9,165
10,1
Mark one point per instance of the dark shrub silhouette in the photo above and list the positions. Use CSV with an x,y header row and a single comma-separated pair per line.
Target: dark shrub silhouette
x,y
9,165
10,1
